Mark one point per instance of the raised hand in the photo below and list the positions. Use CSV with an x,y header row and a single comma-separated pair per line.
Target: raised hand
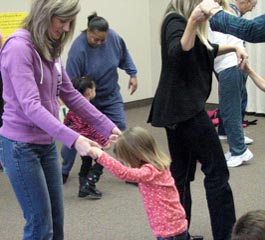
x,y
198,15
208,5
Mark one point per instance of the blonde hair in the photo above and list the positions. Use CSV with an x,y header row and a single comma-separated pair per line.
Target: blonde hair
x,y
38,22
136,146
185,8
226,6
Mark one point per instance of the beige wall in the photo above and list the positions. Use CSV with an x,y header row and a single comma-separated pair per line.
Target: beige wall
x,y
138,22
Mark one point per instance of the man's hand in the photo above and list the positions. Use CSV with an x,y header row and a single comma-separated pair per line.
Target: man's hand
x,y
133,84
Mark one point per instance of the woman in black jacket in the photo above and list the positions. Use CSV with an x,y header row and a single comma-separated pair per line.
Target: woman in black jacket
x,y
179,107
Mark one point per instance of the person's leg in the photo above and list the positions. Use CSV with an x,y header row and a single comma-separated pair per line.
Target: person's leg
x,y
35,175
244,97
95,172
85,167
68,156
230,90
87,187
209,152
52,171
115,112
220,128
183,165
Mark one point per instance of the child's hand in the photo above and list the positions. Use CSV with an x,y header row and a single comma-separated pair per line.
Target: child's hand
x,y
107,146
113,138
95,152
83,145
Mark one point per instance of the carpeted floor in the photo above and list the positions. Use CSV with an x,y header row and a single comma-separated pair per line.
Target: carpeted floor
x,y
119,215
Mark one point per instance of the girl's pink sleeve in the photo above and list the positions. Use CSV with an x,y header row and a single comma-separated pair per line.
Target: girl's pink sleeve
x,y
144,174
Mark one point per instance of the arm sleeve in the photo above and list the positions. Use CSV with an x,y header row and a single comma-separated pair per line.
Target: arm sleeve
x,y
126,62
143,174
172,31
248,30
20,66
74,63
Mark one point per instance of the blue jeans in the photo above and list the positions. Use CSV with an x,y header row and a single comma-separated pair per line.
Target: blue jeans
x,y
68,155
35,175
183,236
196,139
232,83
115,112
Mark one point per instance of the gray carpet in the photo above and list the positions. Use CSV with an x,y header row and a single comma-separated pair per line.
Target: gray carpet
x,y
119,215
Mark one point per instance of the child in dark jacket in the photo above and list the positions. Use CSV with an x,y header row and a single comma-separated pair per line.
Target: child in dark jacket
x,y
89,174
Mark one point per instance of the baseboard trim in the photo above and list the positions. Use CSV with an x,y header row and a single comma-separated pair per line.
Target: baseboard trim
x,y
148,101
138,103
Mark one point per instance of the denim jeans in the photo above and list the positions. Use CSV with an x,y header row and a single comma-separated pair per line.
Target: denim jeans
x,y
183,236
232,83
68,156
196,140
35,175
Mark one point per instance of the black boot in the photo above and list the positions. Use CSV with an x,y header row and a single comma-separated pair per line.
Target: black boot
x,y
87,188
94,173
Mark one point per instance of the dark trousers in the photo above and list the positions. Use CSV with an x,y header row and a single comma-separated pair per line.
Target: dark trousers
x,y
196,139
89,171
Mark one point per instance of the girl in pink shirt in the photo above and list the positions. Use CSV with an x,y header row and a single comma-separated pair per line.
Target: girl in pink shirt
x,y
148,166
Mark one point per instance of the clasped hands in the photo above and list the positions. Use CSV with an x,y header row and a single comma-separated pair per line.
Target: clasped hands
x,y
84,146
204,10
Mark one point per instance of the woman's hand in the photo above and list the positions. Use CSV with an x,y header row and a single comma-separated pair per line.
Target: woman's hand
x,y
198,15
83,146
242,57
247,69
116,132
188,38
210,7
96,152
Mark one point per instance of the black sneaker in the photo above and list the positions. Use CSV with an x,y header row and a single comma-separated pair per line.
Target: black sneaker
x,y
89,189
65,177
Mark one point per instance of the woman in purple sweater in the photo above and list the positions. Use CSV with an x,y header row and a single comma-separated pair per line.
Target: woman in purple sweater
x,y
33,79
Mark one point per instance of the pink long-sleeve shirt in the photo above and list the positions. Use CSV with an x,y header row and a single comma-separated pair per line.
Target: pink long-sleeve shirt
x,y
164,211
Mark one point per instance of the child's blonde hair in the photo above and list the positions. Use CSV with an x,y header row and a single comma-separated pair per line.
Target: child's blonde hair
x,y
136,146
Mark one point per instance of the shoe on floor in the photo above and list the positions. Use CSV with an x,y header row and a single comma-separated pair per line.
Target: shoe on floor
x,y
196,237
89,189
235,161
228,155
247,139
222,137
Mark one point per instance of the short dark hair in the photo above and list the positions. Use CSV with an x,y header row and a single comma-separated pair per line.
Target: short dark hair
x,y
83,83
97,23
